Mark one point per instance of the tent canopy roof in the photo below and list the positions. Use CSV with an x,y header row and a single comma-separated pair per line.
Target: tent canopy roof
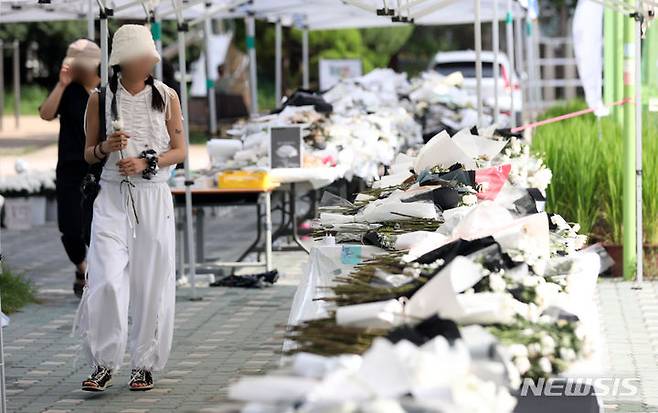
x,y
312,14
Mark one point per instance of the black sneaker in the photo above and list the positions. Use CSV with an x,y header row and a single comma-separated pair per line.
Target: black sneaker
x,y
241,281
270,276
140,380
99,380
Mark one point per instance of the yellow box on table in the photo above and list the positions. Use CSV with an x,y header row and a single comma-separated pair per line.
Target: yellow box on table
x,y
244,180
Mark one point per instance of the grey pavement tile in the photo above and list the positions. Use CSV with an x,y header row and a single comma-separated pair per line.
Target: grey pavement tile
x,y
41,370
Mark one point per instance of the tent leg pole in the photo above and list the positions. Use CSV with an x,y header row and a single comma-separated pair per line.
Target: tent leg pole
x,y
305,68
496,69
210,83
91,33
629,210
156,32
509,32
639,240
3,384
191,255
536,35
277,62
520,66
608,56
478,61
104,47
620,23
530,70
17,84
2,84
251,49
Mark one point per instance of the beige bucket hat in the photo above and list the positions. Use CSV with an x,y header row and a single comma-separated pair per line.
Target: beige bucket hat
x,y
130,42
83,53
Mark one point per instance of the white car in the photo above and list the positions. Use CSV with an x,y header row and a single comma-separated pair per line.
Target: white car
x,y
464,61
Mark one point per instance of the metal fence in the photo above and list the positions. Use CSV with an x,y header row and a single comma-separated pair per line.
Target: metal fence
x,y
558,81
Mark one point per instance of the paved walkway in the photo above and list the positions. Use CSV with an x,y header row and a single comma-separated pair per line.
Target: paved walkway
x,y
234,332
629,323
230,333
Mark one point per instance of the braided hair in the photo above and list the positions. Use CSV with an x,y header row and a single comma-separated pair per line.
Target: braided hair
x,y
157,101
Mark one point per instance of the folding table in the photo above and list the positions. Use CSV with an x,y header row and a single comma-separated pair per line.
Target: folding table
x,y
214,197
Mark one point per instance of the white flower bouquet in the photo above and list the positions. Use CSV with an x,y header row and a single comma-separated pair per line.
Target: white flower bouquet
x,y
28,183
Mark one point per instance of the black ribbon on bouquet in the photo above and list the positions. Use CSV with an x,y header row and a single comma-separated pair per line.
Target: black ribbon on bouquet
x,y
305,97
425,331
456,174
504,132
527,204
449,251
373,238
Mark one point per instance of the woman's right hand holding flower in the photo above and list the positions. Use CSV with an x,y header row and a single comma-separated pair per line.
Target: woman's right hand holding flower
x,y
115,142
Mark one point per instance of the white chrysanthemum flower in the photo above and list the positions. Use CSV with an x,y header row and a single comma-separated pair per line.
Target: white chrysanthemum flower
x,y
541,179
518,350
522,364
545,319
567,354
530,281
533,313
117,125
515,145
545,365
469,199
534,349
497,283
21,166
547,344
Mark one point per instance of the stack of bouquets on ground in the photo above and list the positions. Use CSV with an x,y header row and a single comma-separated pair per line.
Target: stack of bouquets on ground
x,y
369,124
475,290
361,124
440,102
357,126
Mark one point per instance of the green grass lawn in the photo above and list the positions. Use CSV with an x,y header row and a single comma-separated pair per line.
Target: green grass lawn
x,y
31,98
15,290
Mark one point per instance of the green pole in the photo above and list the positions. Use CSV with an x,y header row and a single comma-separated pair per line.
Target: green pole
x,y
609,56
650,63
620,20
630,224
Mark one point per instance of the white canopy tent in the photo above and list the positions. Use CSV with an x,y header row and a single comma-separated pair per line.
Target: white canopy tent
x,y
313,14
303,14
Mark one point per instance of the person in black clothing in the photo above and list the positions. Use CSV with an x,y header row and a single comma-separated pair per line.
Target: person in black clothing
x,y
78,77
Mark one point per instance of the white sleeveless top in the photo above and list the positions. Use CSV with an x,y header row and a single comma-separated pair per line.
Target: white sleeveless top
x,y
145,126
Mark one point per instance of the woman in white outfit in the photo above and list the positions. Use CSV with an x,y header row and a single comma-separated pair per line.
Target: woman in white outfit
x,y
131,268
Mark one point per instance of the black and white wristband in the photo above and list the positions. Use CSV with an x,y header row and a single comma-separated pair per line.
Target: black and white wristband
x,y
151,163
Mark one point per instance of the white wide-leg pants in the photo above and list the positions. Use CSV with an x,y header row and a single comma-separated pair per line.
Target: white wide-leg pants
x,y
131,276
